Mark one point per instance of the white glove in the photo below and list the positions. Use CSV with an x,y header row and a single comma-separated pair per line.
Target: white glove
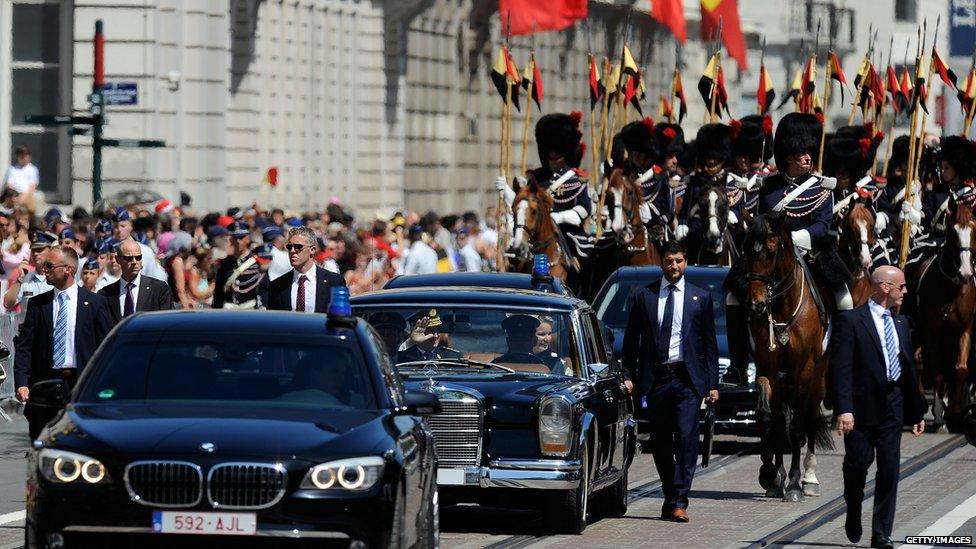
x,y
733,219
605,166
522,181
913,215
507,193
675,181
681,232
801,239
645,212
880,223
568,216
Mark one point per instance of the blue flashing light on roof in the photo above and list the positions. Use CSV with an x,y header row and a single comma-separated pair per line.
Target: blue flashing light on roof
x,y
540,265
339,306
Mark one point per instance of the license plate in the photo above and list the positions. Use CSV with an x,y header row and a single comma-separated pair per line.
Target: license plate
x,y
450,477
207,522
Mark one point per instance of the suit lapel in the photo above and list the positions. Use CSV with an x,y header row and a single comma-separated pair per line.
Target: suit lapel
x,y
323,292
868,320
112,295
142,302
686,310
48,314
655,290
82,321
287,281
904,338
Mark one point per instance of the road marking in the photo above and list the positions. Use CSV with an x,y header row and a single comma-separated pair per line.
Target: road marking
x,y
13,517
950,522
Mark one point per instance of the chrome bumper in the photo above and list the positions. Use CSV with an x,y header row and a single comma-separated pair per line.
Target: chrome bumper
x,y
542,474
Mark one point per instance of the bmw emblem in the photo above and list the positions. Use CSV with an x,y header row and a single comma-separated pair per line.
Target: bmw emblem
x,y
208,447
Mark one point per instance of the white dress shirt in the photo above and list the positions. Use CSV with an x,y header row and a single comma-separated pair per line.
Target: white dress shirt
x,y
472,260
674,347
877,314
150,265
421,260
23,179
72,305
135,293
309,289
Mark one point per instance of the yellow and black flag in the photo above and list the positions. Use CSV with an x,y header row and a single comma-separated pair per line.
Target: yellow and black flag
x,y
808,87
532,82
837,73
596,85
505,73
967,93
679,92
707,83
765,94
794,93
944,71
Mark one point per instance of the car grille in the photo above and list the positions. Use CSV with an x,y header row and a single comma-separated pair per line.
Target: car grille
x,y
164,483
457,431
245,485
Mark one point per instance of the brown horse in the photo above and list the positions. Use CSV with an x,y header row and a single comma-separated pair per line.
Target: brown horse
x,y
791,366
635,246
946,305
856,243
537,233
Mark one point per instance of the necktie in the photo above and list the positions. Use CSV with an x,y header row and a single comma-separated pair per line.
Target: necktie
x,y
300,298
666,322
61,330
130,306
891,346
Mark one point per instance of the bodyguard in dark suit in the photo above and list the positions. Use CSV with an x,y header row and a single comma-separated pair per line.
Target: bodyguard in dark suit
x,y
60,332
134,292
305,288
876,390
671,357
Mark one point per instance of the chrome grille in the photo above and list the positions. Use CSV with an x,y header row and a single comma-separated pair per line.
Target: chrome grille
x,y
164,483
457,431
246,485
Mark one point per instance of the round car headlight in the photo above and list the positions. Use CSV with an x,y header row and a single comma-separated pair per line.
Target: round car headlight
x,y
352,474
66,470
323,477
352,478
93,471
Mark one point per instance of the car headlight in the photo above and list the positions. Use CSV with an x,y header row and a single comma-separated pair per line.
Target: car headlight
x,y
555,426
353,474
68,467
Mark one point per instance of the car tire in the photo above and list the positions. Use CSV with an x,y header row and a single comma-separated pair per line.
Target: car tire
x,y
614,498
566,514
430,530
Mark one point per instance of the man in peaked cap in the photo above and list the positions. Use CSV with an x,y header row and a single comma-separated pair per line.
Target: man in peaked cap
x,y
239,274
561,150
641,168
110,269
31,279
273,235
89,273
428,339
713,145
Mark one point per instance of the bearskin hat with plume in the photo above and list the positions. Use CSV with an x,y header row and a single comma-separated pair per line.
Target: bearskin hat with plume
x,y
639,137
559,133
670,139
960,153
797,132
714,141
752,137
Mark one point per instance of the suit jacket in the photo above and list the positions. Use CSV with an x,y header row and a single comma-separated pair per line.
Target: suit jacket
x,y
154,295
698,343
277,293
34,344
859,374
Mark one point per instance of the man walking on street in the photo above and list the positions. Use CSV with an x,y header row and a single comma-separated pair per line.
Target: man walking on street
x,y
31,280
670,355
60,332
134,291
871,355
306,288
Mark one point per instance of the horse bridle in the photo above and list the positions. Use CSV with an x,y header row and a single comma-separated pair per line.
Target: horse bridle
x,y
540,246
776,289
632,228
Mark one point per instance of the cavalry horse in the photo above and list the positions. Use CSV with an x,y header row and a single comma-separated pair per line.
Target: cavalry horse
x,y
946,305
634,243
788,337
713,243
537,233
856,242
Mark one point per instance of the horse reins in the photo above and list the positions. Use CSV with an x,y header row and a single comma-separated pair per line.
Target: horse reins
x,y
774,291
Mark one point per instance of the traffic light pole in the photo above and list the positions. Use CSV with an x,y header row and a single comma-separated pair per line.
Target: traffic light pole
x,y
98,112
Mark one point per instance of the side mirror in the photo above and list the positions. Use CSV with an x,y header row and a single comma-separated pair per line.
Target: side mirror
x,y
420,403
597,370
52,393
4,352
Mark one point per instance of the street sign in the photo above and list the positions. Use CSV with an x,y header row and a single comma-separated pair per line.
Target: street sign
x,y
54,119
120,93
133,143
962,27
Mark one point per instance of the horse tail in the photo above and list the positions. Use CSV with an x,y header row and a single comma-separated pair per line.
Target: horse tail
x,y
806,424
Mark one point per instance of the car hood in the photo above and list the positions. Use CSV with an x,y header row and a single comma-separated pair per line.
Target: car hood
x,y
507,398
172,430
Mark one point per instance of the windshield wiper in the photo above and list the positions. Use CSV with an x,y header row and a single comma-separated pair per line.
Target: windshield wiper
x,y
461,361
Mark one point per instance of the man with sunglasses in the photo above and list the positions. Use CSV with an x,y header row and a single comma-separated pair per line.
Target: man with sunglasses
x,y
123,229
60,332
875,387
306,287
134,292
31,280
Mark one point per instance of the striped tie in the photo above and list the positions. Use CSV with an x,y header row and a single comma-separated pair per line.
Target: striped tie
x,y
894,363
61,330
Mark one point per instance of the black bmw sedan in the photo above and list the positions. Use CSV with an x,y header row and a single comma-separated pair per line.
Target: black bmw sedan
x,y
236,429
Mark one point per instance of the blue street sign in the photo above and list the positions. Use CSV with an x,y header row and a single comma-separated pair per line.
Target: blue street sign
x,y
962,27
121,93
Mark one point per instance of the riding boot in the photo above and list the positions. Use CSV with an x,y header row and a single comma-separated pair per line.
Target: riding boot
x,y
737,330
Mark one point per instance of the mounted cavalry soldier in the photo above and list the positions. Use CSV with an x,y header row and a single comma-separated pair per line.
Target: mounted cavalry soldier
x,y
752,147
671,142
713,145
892,193
806,201
640,141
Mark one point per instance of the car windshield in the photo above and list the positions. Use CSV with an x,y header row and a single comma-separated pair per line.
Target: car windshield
x,y
323,373
614,308
491,338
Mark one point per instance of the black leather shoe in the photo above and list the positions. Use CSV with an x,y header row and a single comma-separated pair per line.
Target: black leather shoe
x,y
852,526
882,542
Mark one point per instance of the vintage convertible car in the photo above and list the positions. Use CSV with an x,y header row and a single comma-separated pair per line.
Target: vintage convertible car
x,y
534,408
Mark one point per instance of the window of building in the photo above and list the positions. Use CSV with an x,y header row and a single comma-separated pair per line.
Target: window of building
x,y
906,10
40,83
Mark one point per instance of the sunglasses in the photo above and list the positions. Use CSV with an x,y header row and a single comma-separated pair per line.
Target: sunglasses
x,y
48,266
296,247
130,257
